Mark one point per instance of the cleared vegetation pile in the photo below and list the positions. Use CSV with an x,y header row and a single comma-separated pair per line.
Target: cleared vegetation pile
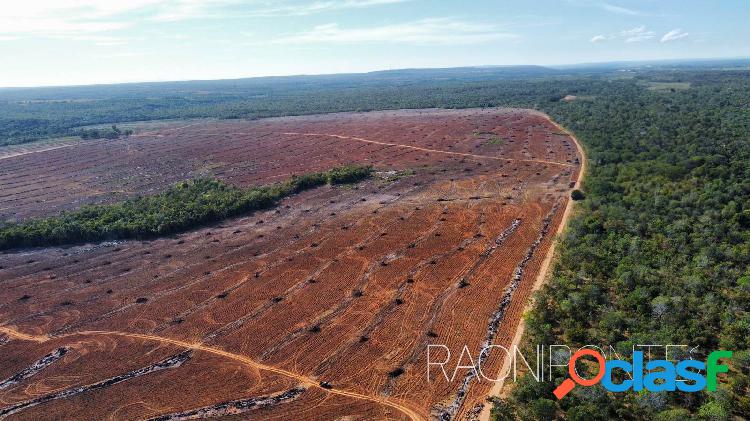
x,y
185,205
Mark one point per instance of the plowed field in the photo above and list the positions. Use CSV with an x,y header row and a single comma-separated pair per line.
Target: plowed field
x,y
245,319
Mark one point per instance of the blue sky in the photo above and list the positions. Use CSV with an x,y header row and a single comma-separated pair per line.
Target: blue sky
x,y
62,42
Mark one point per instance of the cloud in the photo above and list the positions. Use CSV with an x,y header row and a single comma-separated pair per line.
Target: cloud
x,y
321,6
177,10
637,34
52,27
443,31
68,18
120,54
61,18
191,9
620,10
674,35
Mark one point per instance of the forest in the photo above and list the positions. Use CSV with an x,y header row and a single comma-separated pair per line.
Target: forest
x,y
659,250
186,205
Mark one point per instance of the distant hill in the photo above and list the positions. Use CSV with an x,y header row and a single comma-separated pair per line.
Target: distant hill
x,y
251,85
676,64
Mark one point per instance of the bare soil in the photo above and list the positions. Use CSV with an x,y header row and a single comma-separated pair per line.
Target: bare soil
x,y
337,291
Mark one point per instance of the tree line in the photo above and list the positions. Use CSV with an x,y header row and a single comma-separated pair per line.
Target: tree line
x,y
111,133
184,206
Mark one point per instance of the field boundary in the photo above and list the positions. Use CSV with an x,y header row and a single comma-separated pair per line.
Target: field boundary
x,y
543,275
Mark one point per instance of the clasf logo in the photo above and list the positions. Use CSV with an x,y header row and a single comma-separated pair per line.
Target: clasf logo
x,y
662,375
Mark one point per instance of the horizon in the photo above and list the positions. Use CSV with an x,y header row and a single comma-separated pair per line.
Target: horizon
x,y
90,42
560,66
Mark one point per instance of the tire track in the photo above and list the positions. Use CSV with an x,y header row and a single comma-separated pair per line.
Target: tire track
x,y
190,346
419,148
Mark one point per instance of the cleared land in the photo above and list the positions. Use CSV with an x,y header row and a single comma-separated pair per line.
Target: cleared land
x,y
345,285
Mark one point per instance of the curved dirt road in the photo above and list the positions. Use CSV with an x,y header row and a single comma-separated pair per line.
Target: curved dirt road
x,y
413,415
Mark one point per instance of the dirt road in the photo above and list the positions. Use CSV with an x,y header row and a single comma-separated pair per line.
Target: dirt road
x,y
542,277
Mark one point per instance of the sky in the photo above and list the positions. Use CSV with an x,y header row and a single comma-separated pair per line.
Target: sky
x,y
69,42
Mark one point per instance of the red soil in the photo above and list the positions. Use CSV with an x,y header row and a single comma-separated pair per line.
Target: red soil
x,y
284,297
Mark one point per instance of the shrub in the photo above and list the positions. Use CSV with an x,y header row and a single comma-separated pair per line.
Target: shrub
x,y
744,282
502,410
543,409
677,414
577,195
713,411
348,174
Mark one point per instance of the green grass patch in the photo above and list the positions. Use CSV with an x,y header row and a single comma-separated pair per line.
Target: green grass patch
x,y
494,141
668,86
185,205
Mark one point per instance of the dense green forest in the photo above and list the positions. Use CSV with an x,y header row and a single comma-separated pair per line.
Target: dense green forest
x,y
183,206
658,253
